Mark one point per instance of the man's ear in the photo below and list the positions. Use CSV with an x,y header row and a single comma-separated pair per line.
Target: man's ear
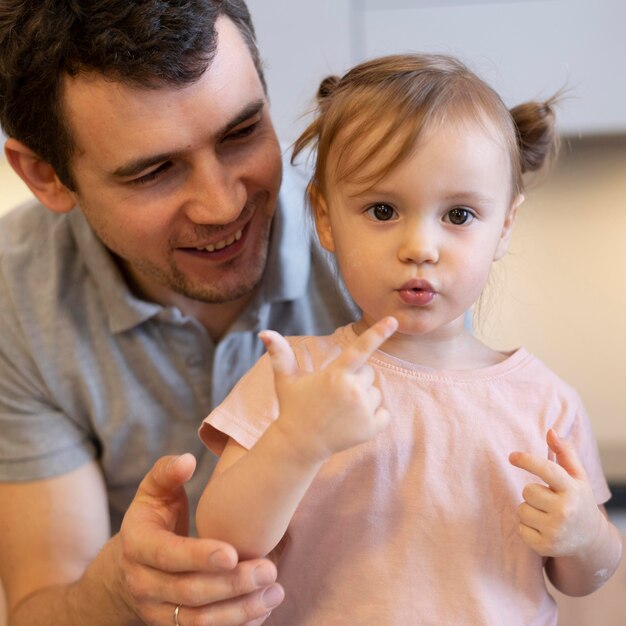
x,y
507,228
40,177
322,219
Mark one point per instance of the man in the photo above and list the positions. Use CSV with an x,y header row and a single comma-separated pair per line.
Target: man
x,y
130,307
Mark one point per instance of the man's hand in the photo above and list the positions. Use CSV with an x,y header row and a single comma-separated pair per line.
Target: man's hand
x,y
560,518
334,408
159,567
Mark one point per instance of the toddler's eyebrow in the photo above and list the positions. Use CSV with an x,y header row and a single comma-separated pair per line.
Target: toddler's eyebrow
x,y
464,196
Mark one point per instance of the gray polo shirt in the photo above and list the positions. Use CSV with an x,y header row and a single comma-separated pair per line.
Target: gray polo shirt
x,y
89,371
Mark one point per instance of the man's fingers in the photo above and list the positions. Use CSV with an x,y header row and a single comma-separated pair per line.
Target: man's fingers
x,y
252,608
355,355
199,588
165,551
281,354
161,499
551,473
566,455
167,475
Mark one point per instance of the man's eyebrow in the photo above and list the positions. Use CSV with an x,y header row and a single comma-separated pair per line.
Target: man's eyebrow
x,y
252,109
136,166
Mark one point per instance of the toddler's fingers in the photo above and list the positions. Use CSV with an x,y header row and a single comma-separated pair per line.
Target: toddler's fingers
x,y
374,397
382,416
566,455
539,496
366,376
551,473
355,355
281,354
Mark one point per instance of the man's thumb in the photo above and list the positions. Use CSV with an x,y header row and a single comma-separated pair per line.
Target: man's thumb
x,y
167,475
281,355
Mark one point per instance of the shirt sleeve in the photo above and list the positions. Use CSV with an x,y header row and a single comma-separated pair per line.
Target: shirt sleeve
x,y
582,437
246,412
37,440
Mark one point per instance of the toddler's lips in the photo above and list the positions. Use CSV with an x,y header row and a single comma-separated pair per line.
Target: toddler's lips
x,y
417,292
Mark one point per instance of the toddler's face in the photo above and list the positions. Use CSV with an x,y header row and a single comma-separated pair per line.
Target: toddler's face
x,y
420,242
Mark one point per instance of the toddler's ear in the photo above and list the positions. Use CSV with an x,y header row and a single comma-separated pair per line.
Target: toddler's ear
x,y
507,228
322,219
40,177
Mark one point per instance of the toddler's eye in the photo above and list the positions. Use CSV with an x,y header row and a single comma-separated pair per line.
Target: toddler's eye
x,y
381,212
459,216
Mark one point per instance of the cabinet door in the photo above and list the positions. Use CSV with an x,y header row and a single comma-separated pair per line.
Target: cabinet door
x,y
525,49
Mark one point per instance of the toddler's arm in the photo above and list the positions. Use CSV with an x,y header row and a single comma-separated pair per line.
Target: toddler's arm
x,y
561,521
253,494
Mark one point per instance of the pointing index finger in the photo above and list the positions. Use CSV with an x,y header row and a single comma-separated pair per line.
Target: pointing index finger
x,y
551,473
366,344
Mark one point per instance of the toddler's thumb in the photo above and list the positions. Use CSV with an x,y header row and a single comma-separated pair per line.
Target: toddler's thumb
x,y
281,354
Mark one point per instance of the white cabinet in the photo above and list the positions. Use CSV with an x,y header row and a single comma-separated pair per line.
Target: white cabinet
x,y
525,49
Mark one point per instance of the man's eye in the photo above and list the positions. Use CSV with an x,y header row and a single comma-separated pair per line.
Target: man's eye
x,y
153,175
242,132
381,212
459,216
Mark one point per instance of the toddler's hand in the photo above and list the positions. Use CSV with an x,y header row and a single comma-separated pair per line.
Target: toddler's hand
x,y
334,408
562,518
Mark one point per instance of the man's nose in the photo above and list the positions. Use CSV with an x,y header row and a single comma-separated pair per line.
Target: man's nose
x,y
216,193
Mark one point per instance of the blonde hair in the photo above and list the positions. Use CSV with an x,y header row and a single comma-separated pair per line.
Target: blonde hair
x,y
393,100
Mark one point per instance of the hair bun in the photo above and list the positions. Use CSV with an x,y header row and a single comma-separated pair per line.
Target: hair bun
x,y
537,133
327,87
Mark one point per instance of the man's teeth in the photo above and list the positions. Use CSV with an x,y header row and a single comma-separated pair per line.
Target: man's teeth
x,y
222,244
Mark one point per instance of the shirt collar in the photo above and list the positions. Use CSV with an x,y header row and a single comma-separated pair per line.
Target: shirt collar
x,y
124,310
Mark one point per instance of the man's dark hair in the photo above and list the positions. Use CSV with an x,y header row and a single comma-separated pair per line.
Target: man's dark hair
x,y
144,43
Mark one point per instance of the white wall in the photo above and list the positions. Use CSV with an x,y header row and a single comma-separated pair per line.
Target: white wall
x,y
301,42
12,189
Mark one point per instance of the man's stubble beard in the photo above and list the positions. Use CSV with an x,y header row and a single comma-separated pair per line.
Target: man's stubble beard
x,y
241,281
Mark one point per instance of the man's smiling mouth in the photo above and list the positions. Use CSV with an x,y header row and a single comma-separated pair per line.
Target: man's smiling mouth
x,y
220,245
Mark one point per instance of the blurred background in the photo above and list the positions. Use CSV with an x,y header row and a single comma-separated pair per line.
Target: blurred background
x,y
561,290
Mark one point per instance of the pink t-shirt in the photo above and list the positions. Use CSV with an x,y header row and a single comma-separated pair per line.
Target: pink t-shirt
x,y
418,526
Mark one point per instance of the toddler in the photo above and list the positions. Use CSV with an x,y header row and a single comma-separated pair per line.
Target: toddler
x,y
403,471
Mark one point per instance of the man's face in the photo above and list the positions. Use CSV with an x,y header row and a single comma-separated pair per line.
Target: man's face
x,y
180,183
